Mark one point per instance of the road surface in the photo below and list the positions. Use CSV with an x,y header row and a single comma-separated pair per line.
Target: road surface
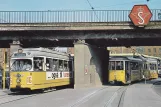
x,y
135,95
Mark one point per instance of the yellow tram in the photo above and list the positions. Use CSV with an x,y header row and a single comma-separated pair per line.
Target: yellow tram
x,y
149,65
124,70
152,66
40,68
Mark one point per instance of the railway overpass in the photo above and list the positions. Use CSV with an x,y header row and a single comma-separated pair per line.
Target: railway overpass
x,y
89,32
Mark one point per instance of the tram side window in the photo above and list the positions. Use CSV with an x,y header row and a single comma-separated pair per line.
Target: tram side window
x,y
49,64
55,64
60,65
134,66
119,65
155,66
38,63
151,67
66,67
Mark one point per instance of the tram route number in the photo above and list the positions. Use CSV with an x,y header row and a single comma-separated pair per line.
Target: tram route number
x,y
54,75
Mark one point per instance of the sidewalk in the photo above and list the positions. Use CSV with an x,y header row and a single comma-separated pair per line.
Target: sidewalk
x,y
141,95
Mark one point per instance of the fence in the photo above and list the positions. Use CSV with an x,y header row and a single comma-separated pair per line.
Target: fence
x,y
70,16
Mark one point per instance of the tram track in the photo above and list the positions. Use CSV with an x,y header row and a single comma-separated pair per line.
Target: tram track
x,y
116,97
86,98
9,99
120,104
16,96
108,103
3,95
110,94
119,93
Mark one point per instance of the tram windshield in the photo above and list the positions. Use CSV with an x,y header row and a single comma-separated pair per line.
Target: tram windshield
x,y
21,65
116,65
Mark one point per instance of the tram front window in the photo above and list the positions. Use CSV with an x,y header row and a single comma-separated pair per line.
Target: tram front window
x,y
119,65
21,65
111,65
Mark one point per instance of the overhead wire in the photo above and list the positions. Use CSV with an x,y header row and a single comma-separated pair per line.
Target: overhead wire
x,y
90,5
93,10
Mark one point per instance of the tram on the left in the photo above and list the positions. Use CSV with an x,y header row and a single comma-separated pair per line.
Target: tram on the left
x,y
40,68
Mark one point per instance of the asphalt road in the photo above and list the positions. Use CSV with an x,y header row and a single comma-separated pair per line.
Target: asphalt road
x,y
85,97
136,95
142,95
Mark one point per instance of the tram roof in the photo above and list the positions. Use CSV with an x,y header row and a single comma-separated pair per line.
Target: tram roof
x,y
143,57
124,58
118,58
130,56
125,54
43,50
153,57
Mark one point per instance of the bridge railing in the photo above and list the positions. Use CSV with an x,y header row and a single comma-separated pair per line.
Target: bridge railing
x,y
70,16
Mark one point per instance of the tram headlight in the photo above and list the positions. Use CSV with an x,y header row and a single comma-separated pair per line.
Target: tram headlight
x,y
18,80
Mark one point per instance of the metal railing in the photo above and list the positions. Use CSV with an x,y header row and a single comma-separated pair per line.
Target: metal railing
x,y
70,16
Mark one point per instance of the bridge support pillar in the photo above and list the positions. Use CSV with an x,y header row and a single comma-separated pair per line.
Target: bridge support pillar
x,y
91,65
14,46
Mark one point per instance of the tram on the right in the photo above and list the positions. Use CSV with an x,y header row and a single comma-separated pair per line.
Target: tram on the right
x,y
127,68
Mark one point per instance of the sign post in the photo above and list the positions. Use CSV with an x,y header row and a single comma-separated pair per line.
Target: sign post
x,y
144,78
4,68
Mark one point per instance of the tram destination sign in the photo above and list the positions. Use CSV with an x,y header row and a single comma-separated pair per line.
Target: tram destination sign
x,y
19,54
140,15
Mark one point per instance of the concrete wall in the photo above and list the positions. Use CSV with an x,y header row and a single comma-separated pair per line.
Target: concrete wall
x,y
91,65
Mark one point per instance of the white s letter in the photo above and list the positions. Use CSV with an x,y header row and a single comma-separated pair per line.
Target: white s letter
x,y
142,20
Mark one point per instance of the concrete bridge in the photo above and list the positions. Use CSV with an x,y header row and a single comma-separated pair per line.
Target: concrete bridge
x,y
70,26
89,32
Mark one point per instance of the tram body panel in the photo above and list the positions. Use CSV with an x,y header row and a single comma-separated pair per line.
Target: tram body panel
x,y
153,68
38,80
118,75
135,75
19,80
154,74
146,74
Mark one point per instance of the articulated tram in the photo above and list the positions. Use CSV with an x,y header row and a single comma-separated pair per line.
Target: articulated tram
x,y
145,68
124,70
40,68
154,63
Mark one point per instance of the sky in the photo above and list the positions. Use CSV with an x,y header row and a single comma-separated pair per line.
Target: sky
x,y
42,5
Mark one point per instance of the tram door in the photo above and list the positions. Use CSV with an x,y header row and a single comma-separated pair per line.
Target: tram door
x,y
127,71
